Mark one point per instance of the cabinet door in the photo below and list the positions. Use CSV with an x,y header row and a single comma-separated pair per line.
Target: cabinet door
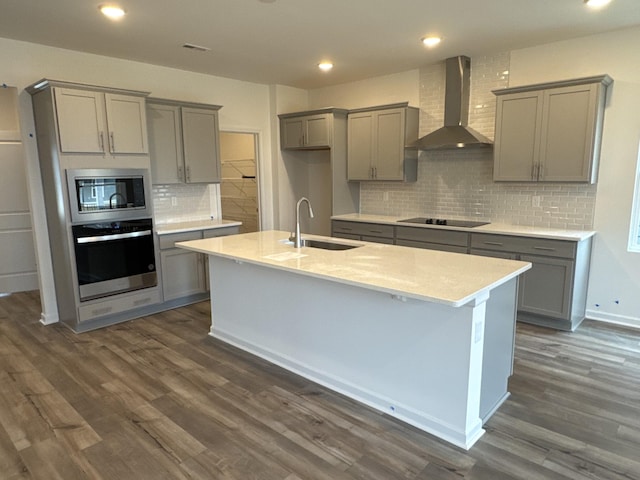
x,y
182,273
81,124
518,125
359,146
569,124
126,120
292,133
389,145
165,144
317,131
545,289
201,145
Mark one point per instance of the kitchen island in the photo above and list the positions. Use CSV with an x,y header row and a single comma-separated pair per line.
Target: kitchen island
x,y
424,336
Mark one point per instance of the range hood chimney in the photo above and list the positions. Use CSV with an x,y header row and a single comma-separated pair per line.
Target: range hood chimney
x,y
455,133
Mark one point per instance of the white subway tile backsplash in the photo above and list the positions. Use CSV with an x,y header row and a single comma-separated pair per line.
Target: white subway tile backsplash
x,y
181,202
460,183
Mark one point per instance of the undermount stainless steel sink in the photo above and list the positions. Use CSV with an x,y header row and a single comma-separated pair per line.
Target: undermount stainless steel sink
x,y
308,242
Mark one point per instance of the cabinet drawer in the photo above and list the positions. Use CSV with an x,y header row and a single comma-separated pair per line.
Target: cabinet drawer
x,y
528,245
118,304
432,246
169,240
386,241
220,232
432,235
359,228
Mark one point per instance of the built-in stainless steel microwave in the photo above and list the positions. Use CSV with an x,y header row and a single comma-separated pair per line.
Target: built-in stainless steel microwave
x,y
98,195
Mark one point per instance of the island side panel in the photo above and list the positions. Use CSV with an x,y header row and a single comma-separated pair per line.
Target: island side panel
x,y
418,361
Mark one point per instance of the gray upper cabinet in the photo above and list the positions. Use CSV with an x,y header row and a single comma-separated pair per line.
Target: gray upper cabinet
x,y
305,131
550,132
377,138
96,122
183,142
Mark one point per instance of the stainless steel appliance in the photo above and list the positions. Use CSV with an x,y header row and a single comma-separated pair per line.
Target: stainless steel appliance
x,y
444,222
97,195
114,257
456,132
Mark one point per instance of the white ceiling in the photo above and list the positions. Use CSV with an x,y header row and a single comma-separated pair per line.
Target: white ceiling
x,y
281,41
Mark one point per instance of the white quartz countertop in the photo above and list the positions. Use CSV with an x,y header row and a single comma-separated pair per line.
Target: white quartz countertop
x,y
442,277
494,228
190,226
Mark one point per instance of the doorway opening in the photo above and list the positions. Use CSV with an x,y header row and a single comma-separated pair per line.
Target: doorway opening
x,y
239,197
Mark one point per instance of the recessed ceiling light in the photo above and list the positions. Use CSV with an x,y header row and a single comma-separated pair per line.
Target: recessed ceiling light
x,y
596,3
325,66
431,41
112,11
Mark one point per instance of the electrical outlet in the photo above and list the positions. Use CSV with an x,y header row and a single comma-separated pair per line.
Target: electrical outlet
x,y
535,200
174,201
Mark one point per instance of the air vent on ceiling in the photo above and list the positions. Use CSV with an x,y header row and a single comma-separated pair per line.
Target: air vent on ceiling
x,y
199,48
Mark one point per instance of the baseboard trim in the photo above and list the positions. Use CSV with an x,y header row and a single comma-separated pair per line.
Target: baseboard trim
x,y
47,319
623,320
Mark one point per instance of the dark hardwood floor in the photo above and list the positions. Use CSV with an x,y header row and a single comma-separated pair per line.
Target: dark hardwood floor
x,y
156,398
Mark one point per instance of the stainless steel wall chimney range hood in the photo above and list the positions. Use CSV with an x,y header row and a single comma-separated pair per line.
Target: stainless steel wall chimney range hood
x,y
455,133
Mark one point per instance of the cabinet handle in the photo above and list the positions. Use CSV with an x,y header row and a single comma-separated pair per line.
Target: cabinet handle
x,y
375,172
497,244
180,173
112,145
546,249
345,228
375,231
540,171
101,140
188,173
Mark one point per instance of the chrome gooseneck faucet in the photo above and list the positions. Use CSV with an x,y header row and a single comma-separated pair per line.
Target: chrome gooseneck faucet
x,y
297,241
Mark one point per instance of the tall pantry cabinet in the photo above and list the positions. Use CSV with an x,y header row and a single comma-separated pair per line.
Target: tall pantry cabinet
x,y
85,127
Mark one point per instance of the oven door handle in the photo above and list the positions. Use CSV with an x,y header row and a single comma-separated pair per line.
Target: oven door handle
x,y
115,236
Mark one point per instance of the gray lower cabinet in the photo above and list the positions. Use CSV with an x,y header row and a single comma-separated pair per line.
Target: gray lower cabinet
x,y
367,232
433,239
553,293
184,273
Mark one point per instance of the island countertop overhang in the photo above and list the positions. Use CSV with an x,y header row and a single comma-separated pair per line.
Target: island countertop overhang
x,y
427,275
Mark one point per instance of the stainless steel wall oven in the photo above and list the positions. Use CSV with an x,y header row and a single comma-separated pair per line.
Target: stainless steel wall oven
x,y
114,257
112,231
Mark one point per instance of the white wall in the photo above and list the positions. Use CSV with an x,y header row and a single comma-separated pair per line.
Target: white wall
x,y
614,283
246,106
399,87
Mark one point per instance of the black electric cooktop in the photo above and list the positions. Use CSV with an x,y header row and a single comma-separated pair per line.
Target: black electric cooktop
x,y
443,221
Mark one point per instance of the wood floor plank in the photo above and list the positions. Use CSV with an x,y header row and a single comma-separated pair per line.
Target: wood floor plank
x,y
158,398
